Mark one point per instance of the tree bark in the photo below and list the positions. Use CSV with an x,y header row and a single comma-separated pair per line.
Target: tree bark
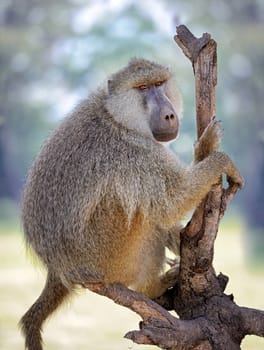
x,y
208,318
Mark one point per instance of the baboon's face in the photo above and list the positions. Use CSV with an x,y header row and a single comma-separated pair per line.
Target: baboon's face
x,y
144,97
163,120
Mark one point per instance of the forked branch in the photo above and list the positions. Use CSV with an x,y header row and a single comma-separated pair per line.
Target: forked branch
x,y
208,319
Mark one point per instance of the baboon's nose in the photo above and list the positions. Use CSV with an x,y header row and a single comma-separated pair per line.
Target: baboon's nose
x,y
169,118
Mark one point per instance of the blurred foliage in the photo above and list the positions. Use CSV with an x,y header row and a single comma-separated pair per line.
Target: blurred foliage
x,y
53,53
9,215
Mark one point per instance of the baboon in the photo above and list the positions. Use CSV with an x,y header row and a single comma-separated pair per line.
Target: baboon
x,y
104,194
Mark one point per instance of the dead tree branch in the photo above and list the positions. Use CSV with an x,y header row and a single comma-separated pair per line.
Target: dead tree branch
x,y
208,319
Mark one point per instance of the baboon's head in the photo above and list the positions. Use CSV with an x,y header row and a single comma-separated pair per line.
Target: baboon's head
x,y
143,97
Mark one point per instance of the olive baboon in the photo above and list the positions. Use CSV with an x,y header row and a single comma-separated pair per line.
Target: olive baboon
x,y
104,191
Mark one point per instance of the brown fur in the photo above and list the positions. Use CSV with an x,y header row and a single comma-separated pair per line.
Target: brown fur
x,y
102,193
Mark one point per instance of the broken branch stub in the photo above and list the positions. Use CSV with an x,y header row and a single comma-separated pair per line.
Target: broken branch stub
x,y
203,56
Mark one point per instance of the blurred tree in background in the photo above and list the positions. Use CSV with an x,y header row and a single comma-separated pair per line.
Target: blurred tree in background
x,y
52,53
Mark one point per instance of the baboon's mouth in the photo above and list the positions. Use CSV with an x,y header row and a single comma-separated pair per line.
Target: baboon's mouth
x,y
165,136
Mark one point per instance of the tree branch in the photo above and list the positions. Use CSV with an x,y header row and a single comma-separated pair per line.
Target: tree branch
x,y
137,302
156,320
253,321
197,247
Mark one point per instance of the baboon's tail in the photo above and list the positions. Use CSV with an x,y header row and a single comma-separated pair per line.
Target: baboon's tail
x,y
51,297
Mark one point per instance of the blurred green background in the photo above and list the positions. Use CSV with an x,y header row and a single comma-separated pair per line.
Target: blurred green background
x,y
52,54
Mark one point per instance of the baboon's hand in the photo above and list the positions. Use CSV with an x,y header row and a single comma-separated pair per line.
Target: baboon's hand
x,y
232,174
235,179
219,163
209,141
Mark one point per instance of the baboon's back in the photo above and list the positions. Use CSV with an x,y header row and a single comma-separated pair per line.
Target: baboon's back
x,y
65,180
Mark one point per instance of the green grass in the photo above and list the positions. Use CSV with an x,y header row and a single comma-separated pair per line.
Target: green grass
x,y
94,322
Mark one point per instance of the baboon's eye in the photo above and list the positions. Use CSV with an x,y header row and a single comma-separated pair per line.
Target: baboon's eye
x,y
158,83
142,87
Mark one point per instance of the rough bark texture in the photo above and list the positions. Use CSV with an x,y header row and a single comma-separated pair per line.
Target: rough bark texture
x,y
208,319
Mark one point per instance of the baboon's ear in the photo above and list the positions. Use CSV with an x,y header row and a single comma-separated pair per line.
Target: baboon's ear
x,y
110,86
